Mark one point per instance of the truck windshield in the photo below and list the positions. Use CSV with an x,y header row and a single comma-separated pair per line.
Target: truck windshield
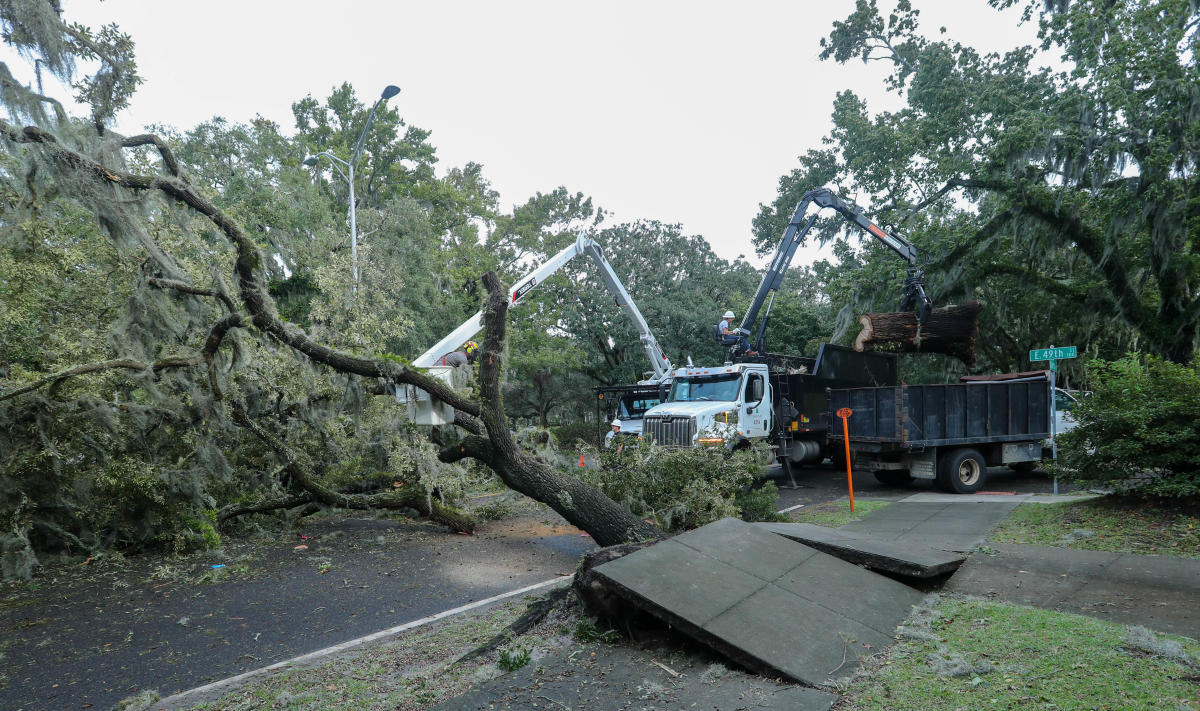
x,y
719,387
632,407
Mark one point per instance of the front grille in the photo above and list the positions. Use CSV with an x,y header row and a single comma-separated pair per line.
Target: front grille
x,y
670,430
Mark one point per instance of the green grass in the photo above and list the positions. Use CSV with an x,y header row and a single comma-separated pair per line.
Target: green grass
x,y
836,513
1115,524
1038,659
410,673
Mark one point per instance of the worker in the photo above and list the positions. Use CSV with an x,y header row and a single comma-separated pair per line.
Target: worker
x,y
460,358
616,430
613,435
731,337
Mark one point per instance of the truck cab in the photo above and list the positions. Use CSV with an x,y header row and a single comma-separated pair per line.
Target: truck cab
x,y
725,406
627,403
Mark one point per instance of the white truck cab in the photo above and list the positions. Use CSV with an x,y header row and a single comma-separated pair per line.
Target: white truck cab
x,y
727,406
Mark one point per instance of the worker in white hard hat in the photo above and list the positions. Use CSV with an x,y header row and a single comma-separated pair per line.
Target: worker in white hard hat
x,y
729,336
616,430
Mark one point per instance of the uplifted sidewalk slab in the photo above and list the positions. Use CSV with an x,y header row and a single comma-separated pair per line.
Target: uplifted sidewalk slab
x,y
948,525
908,559
773,605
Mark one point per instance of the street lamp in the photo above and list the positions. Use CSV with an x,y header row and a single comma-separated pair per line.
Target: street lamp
x,y
348,175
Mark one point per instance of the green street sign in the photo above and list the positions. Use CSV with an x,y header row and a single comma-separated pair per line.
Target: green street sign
x,y
1053,354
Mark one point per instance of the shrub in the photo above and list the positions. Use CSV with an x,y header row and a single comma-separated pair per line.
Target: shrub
x,y
680,488
1140,430
574,433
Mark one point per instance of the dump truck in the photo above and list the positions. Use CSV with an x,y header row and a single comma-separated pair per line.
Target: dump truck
x,y
779,400
949,434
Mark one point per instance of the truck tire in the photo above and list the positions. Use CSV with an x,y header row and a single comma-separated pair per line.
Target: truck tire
x,y
893,477
962,471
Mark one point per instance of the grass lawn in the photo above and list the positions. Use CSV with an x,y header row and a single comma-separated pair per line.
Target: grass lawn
x,y
832,514
1108,524
975,654
410,673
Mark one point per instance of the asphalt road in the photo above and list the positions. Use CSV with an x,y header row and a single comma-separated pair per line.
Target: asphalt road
x,y
87,636
823,482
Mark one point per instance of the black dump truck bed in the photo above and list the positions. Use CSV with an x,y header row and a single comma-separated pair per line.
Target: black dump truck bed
x,y
919,416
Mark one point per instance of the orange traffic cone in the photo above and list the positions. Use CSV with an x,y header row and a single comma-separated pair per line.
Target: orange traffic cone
x,y
581,460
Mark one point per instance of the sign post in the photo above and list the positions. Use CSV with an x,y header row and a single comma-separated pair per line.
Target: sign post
x,y
845,414
1053,355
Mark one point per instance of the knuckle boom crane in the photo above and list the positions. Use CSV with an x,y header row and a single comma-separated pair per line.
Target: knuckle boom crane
x,y
798,227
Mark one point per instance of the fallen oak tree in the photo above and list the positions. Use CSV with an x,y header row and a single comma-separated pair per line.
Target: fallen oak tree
x,y
488,440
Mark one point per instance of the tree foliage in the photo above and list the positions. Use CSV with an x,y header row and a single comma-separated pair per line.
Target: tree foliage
x,y
186,345
1139,431
1063,197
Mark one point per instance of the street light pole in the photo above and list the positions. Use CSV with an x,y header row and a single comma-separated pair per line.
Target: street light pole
x,y
388,92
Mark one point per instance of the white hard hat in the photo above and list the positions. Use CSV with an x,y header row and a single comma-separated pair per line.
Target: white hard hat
x,y
728,314
616,422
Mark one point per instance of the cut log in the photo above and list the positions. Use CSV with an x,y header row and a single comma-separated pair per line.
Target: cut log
x,y
950,330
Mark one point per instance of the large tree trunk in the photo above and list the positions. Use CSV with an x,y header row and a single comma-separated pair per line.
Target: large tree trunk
x,y
583,505
951,330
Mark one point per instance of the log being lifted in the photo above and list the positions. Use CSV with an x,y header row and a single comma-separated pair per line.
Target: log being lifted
x,y
950,330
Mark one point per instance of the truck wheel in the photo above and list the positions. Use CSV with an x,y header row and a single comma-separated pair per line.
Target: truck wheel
x,y
962,471
894,477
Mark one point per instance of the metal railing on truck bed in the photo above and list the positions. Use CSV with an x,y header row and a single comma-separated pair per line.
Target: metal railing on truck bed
x,y
916,416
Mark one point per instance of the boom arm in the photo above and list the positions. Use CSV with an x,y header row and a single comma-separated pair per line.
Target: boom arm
x,y
798,227
583,245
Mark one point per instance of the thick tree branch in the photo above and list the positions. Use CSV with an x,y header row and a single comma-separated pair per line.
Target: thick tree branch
x,y
118,364
189,289
211,344
303,474
164,150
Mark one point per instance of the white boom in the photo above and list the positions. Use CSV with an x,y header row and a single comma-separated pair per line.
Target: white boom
x,y
583,245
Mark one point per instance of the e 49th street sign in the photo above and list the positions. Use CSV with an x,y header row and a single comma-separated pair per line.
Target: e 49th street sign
x,y
1052,353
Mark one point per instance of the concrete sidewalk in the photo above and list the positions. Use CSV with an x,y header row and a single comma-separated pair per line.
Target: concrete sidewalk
x,y
1159,592
953,524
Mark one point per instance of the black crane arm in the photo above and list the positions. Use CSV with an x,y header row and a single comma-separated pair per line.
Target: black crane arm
x,y
798,227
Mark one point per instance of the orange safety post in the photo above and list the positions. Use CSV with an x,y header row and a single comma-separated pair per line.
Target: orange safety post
x,y
581,461
845,414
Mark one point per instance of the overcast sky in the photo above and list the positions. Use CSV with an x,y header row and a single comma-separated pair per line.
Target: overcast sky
x,y
685,112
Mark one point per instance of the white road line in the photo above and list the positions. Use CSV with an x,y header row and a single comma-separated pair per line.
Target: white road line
x,y
790,508
233,680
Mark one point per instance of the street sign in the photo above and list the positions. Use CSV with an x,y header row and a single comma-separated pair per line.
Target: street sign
x,y
1061,353
844,412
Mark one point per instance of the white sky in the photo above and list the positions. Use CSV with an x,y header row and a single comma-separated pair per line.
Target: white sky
x,y
684,112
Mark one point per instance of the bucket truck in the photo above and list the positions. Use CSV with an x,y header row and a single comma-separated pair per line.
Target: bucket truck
x,y
423,409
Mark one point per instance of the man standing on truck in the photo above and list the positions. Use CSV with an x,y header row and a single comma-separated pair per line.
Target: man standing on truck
x,y
730,337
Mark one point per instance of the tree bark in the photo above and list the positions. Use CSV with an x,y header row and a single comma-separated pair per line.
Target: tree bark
x,y
582,505
951,330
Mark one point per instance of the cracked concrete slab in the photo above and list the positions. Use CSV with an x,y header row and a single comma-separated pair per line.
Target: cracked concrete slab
x,y
773,605
909,559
